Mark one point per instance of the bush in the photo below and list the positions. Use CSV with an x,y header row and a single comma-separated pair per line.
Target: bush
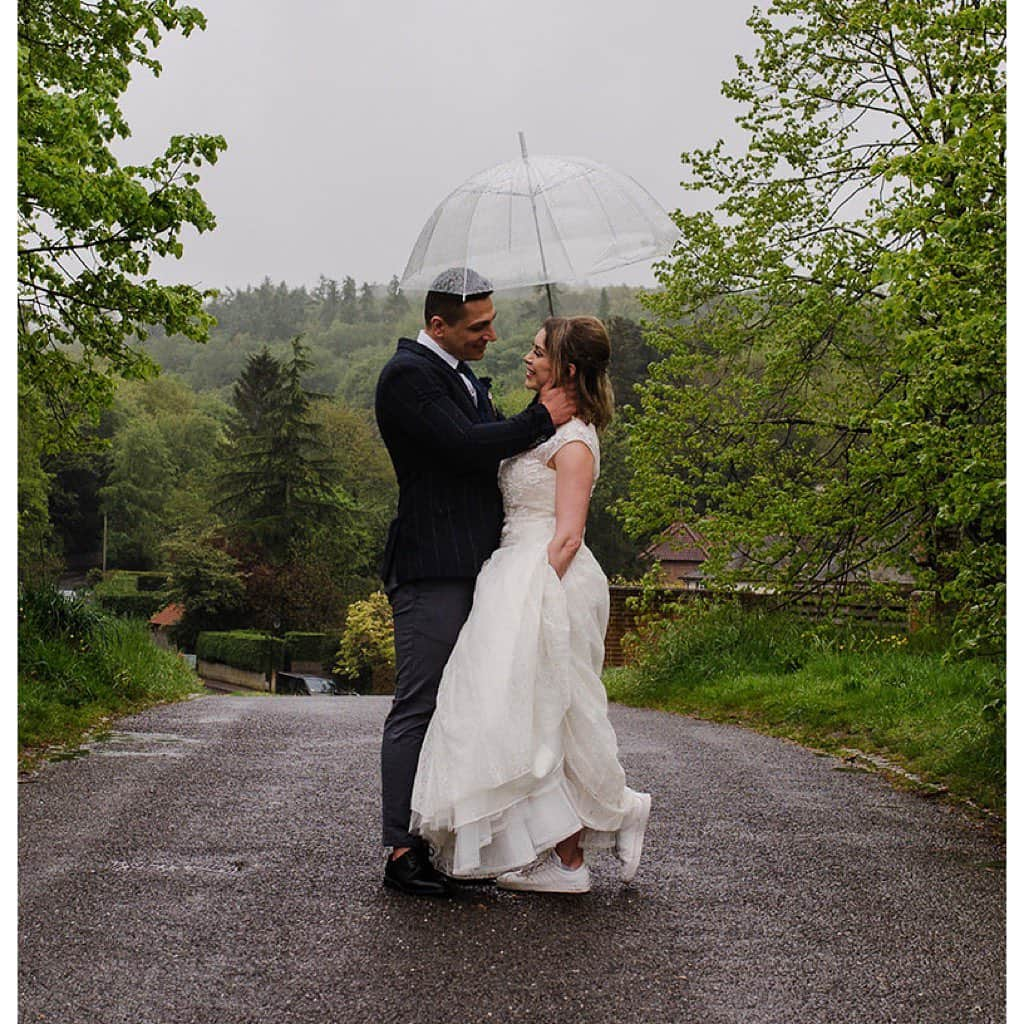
x,y
829,686
50,613
132,606
119,593
368,640
321,647
68,681
148,581
117,581
240,648
208,583
704,641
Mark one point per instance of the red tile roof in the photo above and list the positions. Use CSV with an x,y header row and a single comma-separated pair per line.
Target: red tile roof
x,y
170,615
680,543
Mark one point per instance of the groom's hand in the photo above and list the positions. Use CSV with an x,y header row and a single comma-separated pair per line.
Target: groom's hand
x,y
559,402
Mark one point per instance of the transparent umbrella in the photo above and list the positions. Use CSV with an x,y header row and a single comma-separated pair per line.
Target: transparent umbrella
x,y
541,220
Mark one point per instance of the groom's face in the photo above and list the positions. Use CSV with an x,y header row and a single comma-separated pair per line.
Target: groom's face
x,y
469,337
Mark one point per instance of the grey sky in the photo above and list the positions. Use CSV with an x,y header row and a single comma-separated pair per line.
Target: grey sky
x,y
348,122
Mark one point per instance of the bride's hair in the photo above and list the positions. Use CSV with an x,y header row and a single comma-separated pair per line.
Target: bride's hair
x,y
583,342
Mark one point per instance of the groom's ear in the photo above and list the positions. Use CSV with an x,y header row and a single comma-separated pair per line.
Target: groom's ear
x,y
572,370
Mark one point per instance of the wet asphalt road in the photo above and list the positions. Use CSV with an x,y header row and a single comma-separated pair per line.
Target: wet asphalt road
x,y
216,861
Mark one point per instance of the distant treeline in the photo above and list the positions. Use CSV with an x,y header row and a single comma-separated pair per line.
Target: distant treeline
x,y
167,452
350,332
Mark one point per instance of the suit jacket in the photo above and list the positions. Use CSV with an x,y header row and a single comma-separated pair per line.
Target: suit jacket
x,y
449,505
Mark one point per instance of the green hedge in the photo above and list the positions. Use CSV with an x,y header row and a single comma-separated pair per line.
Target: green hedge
x,y
131,606
117,582
148,581
321,647
132,595
242,648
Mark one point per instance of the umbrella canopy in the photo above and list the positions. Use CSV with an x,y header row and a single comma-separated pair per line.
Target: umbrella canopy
x,y
541,220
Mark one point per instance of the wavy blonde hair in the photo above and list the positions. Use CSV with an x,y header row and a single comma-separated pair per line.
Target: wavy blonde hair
x,y
583,342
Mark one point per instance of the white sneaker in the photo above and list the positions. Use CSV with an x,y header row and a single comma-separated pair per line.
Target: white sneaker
x,y
547,875
629,841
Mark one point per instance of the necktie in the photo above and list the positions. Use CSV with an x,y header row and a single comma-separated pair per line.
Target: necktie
x,y
480,396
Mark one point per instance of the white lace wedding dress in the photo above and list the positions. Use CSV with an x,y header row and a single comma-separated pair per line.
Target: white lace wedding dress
x,y
520,753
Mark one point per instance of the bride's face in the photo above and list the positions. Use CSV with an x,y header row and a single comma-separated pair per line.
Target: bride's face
x,y
538,365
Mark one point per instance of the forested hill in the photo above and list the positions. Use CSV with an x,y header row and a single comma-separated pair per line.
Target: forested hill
x,y
166,454
351,331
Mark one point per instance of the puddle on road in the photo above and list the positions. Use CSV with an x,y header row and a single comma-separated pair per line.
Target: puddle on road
x,y
68,755
118,743
199,864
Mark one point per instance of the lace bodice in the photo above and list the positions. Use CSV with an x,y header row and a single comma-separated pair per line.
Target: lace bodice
x,y
528,485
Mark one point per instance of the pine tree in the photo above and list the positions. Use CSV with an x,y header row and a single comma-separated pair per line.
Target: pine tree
x,y
328,295
349,307
367,304
276,488
253,393
396,305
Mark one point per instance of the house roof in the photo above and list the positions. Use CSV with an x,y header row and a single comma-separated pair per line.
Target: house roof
x,y
169,615
681,543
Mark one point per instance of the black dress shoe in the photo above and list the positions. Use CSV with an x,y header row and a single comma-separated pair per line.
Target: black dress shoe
x,y
413,874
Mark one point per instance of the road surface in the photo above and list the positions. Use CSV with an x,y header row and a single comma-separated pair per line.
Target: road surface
x,y
216,862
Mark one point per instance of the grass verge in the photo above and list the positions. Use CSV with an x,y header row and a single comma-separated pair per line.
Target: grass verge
x,y
831,689
78,668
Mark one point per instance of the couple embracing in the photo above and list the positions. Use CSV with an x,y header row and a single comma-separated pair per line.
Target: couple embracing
x,y
498,759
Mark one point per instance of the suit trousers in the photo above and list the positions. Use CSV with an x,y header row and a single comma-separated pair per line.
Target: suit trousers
x,y
428,615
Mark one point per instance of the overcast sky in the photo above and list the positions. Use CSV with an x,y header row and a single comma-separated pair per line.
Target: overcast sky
x,y
348,122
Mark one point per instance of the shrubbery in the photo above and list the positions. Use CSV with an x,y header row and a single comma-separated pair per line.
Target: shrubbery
x,y
132,595
240,648
77,666
368,641
321,647
874,688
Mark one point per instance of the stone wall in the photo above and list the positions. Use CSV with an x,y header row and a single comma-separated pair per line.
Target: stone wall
x,y
221,673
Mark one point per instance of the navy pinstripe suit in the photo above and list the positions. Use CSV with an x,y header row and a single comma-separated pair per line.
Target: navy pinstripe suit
x,y
448,523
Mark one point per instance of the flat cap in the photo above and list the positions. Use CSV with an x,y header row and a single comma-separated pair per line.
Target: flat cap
x,y
461,281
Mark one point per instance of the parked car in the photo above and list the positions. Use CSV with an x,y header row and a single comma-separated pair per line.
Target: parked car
x,y
300,684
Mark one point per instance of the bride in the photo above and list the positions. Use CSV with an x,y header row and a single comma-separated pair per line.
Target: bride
x,y
518,773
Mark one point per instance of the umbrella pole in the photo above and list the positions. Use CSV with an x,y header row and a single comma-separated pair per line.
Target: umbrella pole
x,y
536,222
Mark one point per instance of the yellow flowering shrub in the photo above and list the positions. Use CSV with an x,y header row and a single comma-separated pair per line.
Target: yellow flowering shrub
x,y
369,636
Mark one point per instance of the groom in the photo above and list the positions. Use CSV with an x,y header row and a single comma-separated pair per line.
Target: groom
x,y
445,439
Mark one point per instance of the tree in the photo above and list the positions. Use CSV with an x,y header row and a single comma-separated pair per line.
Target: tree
x,y
328,295
274,482
88,227
367,304
396,305
254,393
833,386
38,550
207,581
138,486
631,357
152,471
348,308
